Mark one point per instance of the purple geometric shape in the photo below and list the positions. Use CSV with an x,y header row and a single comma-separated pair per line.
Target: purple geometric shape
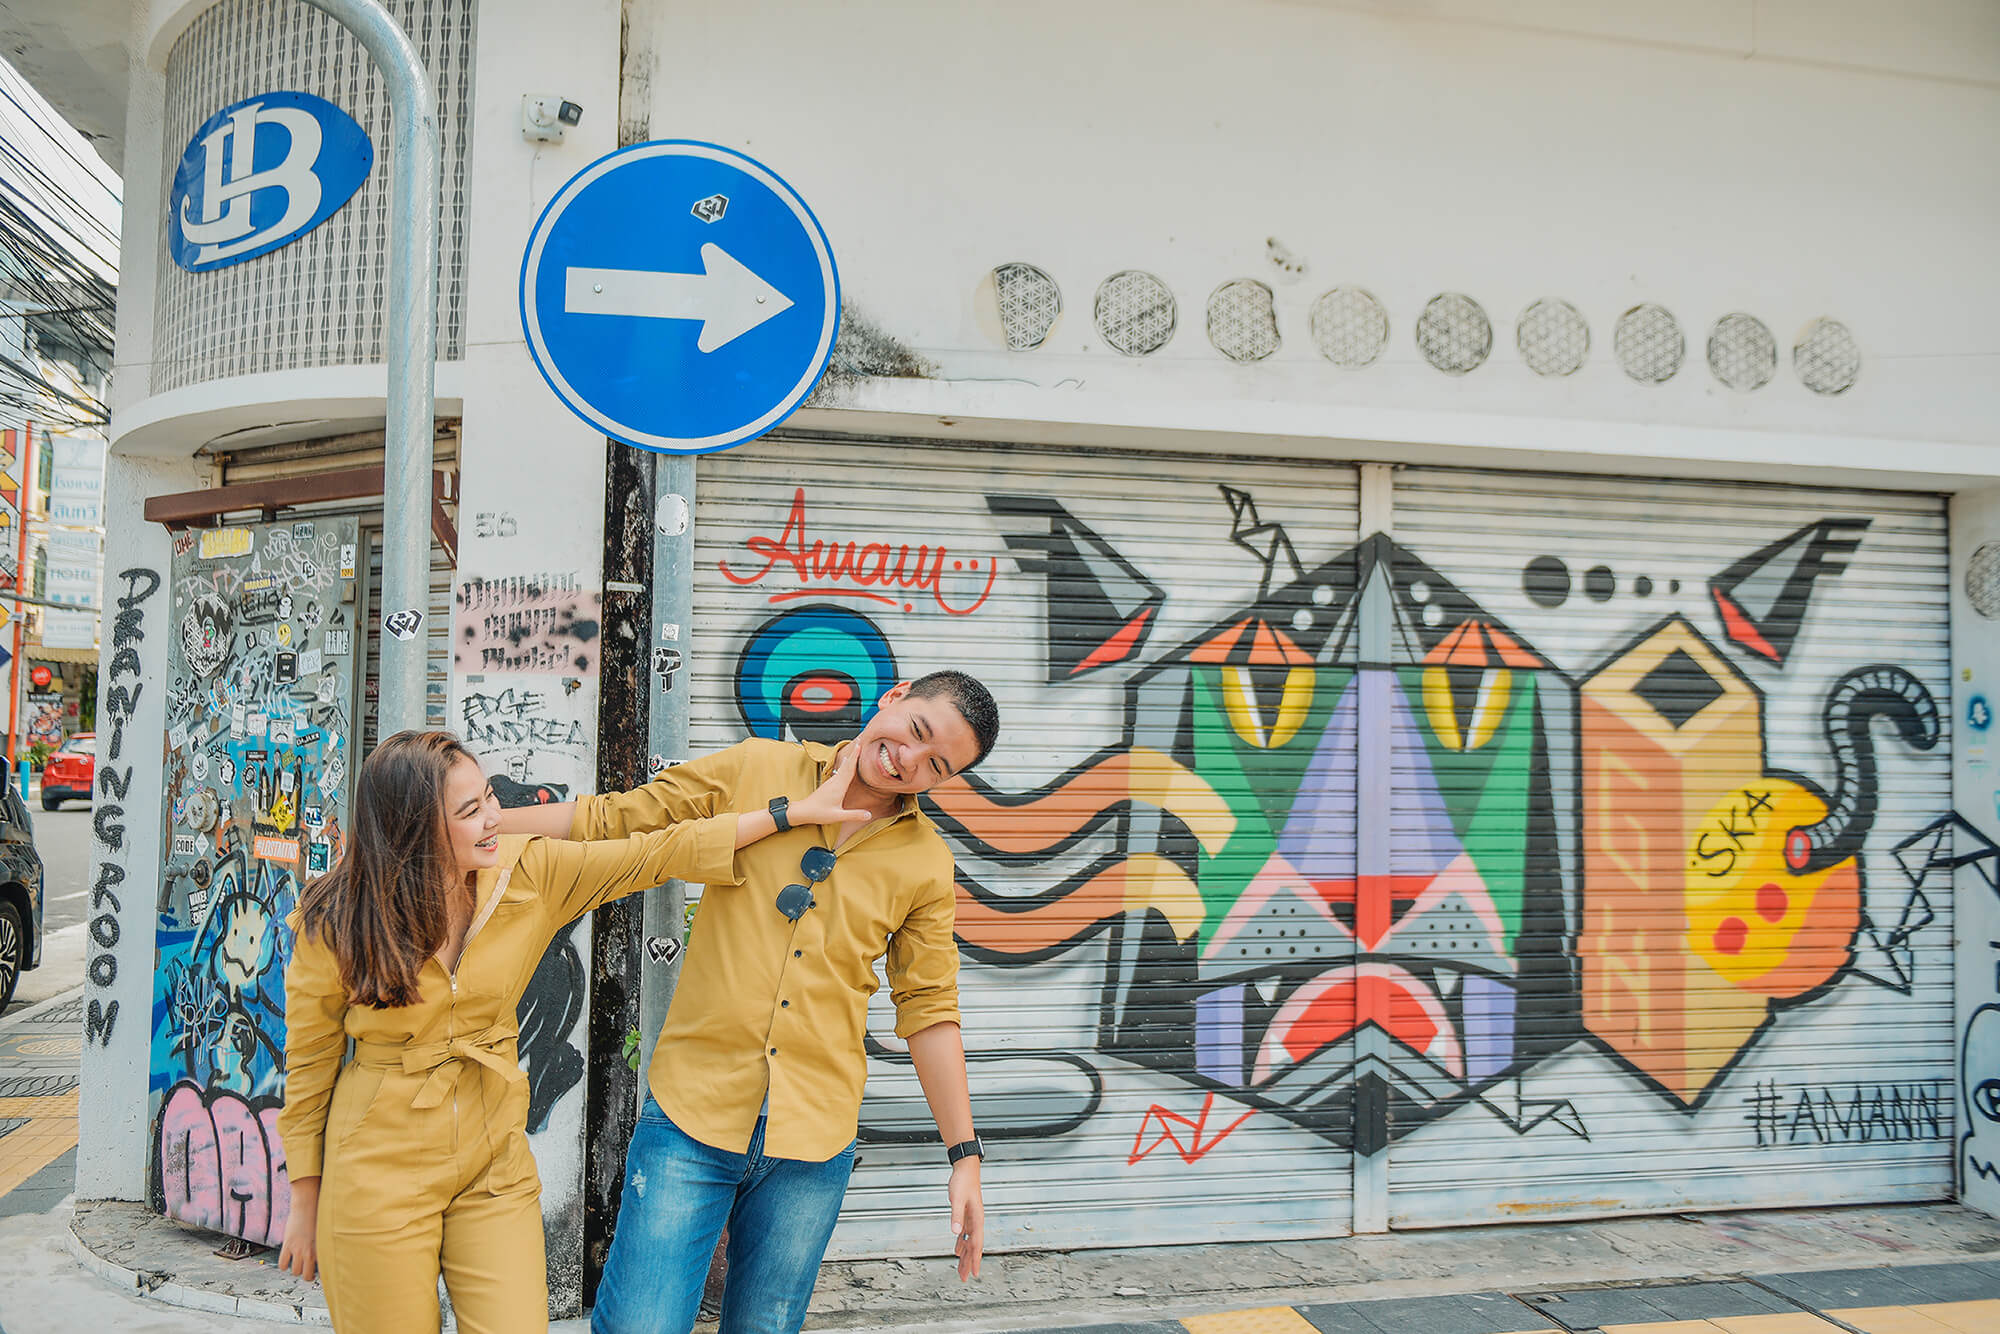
x,y
1422,839
1488,1006
1319,835
1218,1035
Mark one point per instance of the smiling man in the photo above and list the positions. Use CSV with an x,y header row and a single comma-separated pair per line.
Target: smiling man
x,y
755,1087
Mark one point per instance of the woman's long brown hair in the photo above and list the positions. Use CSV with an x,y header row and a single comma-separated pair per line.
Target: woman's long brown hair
x,y
383,909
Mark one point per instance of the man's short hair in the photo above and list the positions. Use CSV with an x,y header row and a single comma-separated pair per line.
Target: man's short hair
x,y
970,698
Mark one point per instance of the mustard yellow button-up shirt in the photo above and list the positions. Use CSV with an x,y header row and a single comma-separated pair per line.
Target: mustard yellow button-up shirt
x,y
768,1005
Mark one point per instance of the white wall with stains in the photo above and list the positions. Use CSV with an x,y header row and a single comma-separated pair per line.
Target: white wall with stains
x,y
1785,160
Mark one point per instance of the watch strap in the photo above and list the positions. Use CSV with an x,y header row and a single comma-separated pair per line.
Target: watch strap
x,y
971,1148
778,809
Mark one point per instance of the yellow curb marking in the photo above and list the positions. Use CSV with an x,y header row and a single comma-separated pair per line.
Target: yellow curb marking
x,y
1787,1322
49,1134
1263,1320
1891,1320
1980,1317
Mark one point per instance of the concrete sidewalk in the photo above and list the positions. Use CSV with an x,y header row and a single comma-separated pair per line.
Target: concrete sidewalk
x,y
1917,1269
1904,1269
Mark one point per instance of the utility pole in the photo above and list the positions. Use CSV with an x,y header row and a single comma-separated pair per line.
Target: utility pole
x,y
24,497
412,337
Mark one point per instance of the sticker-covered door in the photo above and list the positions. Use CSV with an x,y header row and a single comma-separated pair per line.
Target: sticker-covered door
x,y
260,675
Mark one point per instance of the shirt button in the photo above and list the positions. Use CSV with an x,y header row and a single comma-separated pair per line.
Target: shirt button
x,y
784,1005
798,954
774,1051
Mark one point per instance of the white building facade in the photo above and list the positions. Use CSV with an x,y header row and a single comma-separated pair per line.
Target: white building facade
x,y
1482,524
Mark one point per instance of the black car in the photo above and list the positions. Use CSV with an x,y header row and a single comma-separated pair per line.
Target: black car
x,y
20,892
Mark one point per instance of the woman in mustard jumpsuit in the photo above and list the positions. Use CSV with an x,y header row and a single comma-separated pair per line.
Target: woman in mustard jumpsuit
x,y
411,1159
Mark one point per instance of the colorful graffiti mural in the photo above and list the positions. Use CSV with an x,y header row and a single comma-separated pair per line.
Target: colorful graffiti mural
x,y
1363,802
259,735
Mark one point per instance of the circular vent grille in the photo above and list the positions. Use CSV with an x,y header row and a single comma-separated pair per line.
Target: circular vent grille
x,y
1349,327
1134,312
1553,338
1029,303
1648,344
1982,581
1243,320
1454,334
1742,352
1827,358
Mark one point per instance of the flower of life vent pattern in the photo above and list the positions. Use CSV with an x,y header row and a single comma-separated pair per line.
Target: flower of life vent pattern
x,y
1648,344
1243,320
1134,312
1454,334
1029,304
1553,338
318,301
1982,581
1349,327
1827,357
1742,352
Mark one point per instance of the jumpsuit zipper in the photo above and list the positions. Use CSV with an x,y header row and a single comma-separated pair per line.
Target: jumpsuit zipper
x,y
451,1009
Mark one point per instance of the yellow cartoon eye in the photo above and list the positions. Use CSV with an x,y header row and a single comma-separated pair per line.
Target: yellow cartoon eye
x,y
1465,705
1267,705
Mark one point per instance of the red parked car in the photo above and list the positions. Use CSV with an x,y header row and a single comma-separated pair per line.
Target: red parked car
x,y
71,772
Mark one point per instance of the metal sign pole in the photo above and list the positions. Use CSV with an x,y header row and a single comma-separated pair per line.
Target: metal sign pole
x,y
672,682
412,337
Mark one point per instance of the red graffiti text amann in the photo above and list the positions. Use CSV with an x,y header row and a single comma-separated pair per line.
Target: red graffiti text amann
x,y
852,569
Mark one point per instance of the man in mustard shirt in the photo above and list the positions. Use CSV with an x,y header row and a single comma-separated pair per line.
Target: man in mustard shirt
x,y
755,1086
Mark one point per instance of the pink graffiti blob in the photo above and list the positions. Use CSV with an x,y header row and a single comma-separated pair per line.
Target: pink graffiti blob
x,y
222,1165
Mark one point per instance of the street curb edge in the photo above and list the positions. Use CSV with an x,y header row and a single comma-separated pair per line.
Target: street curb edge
x,y
29,1015
169,1293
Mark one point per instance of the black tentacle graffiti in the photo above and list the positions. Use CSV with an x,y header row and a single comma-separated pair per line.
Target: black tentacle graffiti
x,y
1856,700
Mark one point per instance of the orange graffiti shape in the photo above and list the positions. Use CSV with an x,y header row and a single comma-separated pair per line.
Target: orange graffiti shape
x,y
1195,1147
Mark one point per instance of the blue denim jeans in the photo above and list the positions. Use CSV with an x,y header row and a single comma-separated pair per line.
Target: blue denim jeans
x,y
678,1194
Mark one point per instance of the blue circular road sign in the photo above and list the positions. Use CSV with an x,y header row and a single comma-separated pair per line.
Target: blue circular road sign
x,y
679,296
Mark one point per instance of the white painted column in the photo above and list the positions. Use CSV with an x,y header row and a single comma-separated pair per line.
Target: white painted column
x,y
1975,676
531,535
114,1130
112,1124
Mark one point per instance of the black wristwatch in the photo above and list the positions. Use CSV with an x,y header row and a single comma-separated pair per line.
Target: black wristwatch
x,y
971,1148
777,808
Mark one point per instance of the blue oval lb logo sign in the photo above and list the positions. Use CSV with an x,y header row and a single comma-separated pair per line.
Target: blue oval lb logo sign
x,y
261,173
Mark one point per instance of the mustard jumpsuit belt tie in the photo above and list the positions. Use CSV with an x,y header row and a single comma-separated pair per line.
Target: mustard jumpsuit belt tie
x,y
442,1061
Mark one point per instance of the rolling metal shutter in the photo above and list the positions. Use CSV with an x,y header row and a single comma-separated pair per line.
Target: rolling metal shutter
x,y
1634,906
437,638
1685,744
1147,624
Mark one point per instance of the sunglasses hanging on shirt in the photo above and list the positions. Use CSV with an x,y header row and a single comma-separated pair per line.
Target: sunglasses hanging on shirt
x,y
794,900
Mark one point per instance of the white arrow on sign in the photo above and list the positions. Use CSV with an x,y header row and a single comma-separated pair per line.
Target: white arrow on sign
x,y
728,299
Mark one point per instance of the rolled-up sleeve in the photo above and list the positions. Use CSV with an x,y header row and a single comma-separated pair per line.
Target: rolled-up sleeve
x,y
315,1039
923,958
577,877
690,791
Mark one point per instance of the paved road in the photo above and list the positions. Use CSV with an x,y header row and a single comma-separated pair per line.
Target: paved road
x,y
64,840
